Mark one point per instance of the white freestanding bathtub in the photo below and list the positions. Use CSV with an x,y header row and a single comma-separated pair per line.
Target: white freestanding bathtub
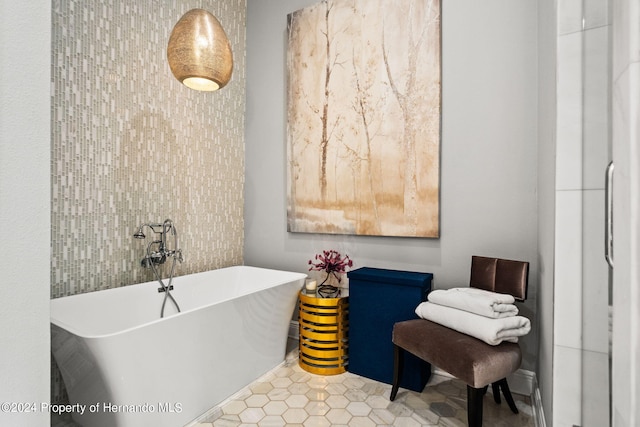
x,y
124,366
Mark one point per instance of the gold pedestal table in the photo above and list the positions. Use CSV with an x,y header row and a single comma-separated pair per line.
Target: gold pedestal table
x,y
324,332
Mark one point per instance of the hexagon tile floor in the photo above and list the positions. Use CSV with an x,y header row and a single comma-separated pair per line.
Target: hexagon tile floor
x,y
290,396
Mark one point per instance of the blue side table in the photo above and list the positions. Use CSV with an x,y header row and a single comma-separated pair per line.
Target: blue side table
x,y
379,298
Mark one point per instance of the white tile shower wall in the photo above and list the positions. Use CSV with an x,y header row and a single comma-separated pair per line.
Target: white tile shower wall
x,y
569,111
580,303
568,314
130,144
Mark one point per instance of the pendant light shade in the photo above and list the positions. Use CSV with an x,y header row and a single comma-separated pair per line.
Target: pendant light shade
x,y
199,52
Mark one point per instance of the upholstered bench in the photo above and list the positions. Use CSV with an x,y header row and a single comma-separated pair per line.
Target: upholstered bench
x,y
471,360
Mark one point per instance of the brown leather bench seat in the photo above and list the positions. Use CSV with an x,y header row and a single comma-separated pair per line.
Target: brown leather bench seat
x,y
467,358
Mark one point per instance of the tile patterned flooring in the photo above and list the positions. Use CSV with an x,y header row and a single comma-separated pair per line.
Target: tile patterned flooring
x,y
290,396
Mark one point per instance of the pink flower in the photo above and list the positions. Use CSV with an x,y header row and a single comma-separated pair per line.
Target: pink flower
x,y
330,261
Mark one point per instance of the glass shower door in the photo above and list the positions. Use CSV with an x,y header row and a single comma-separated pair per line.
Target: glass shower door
x,y
596,137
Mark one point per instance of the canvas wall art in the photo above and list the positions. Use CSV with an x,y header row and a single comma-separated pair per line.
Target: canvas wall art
x,y
363,118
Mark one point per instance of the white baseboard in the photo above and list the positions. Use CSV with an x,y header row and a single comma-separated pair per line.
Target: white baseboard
x,y
294,330
536,403
520,382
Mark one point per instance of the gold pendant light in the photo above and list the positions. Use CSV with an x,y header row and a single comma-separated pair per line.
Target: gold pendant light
x,y
199,52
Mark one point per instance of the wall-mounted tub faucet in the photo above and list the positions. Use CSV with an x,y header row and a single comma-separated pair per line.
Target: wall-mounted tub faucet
x,y
157,253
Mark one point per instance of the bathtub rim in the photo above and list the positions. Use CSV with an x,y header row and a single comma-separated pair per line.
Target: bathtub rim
x,y
73,330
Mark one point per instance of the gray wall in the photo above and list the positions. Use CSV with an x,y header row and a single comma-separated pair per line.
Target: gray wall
x,y
489,150
24,207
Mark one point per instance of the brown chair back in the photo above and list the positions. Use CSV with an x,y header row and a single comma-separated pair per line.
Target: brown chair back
x,y
500,275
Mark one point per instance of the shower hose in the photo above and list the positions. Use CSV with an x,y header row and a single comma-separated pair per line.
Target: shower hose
x,y
166,288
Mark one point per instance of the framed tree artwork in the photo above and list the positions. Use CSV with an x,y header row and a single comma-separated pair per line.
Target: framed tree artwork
x,y
363,118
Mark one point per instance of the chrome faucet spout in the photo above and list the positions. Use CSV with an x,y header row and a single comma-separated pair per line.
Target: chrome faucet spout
x,y
139,234
167,226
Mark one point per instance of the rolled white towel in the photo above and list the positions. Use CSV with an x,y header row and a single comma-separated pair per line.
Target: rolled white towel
x,y
478,301
491,331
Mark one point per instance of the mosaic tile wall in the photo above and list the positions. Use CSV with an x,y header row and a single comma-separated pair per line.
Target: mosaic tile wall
x,y
131,145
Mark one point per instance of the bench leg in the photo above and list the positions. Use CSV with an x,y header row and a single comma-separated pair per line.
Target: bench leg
x,y
496,392
474,405
507,395
398,365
